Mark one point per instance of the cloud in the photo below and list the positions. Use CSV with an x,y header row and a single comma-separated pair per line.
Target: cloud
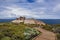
x,y
42,9
19,11
56,8
48,16
39,1
16,12
6,1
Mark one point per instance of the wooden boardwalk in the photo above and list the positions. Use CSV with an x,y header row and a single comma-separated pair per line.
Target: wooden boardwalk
x,y
46,35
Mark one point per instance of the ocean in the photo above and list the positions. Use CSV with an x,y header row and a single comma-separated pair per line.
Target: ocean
x,y
6,20
50,21
47,21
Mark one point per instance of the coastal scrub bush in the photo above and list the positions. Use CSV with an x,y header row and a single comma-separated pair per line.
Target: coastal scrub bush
x,y
58,36
6,38
11,31
47,27
30,33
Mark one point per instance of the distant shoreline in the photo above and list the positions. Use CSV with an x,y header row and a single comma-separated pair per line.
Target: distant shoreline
x,y
47,21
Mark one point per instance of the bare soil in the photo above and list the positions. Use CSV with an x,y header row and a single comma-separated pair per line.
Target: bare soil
x,y
46,35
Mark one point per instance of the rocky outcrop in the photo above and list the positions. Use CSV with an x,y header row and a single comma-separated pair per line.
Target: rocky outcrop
x,y
28,21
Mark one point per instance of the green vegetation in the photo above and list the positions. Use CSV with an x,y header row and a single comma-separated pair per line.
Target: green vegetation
x,y
47,27
11,31
57,30
58,36
33,25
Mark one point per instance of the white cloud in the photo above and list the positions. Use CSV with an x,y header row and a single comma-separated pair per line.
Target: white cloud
x,y
56,8
16,12
39,9
10,1
39,1
19,11
48,17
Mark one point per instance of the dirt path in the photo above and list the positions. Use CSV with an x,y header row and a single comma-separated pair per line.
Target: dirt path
x,y
46,35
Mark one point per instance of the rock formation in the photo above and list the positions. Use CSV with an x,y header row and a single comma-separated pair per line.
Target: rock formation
x,y
28,21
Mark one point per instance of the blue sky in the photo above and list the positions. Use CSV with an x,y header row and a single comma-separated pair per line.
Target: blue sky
x,y
39,9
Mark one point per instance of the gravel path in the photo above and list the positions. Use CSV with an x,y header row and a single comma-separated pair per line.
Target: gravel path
x,y
46,35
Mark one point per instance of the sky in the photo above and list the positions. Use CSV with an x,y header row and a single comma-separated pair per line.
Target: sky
x,y
38,9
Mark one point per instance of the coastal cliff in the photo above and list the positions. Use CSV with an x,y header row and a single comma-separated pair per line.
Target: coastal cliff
x,y
28,21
